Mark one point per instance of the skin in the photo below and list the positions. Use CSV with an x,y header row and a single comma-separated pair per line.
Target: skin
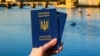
x,y
45,50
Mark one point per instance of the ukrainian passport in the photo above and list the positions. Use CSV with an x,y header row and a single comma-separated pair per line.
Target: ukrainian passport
x,y
47,24
61,24
44,26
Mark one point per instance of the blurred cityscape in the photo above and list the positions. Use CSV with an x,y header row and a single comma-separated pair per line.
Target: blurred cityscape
x,y
58,3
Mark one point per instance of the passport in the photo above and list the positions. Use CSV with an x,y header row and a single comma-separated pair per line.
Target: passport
x,y
44,26
61,24
47,24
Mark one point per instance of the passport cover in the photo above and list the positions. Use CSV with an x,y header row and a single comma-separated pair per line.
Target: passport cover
x,y
44,26
61,23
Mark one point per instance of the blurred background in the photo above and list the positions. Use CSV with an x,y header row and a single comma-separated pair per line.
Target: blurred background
x,y
81,34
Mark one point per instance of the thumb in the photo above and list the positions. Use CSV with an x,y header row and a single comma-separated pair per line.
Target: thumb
x,y
50,44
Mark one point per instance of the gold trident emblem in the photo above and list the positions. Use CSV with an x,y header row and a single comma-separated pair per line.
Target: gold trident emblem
x,y
44,25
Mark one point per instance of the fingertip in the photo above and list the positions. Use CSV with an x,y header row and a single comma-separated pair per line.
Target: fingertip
x,y
60,48
57,51
55,39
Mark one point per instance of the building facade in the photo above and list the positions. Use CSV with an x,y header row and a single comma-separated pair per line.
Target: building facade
x,y
8,0
70,3
89,2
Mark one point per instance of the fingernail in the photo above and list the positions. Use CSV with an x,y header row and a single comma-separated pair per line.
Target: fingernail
x,y
57,51
55,39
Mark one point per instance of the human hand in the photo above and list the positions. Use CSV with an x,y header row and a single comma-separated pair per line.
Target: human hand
x,y
45,49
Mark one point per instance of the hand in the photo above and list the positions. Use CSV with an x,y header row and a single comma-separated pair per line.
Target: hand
x,y
45,49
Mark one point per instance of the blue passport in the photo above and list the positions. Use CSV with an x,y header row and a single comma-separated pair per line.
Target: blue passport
x,y
61,24
44,26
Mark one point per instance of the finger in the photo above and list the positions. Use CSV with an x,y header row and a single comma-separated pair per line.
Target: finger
x,y
54,52
50,44
59,49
